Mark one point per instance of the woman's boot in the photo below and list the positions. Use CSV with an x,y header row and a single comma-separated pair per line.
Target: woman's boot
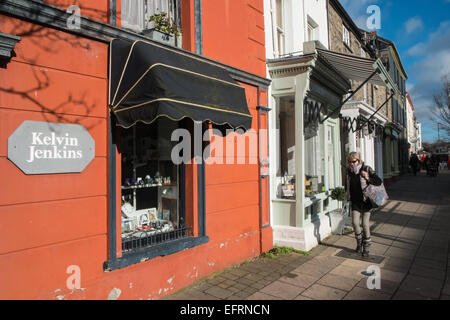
x,y
358,242
366,247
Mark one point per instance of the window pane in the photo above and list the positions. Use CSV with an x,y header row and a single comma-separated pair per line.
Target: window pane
x,y
279,14
331,158
286,166
133,15
314,171
280,38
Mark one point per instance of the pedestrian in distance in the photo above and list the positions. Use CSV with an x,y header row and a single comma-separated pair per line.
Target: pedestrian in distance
x,y
414,163
358,177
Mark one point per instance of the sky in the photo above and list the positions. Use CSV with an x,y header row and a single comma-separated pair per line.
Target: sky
x,y
420,30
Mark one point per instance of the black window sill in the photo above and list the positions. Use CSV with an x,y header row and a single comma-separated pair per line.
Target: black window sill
x,y
145,254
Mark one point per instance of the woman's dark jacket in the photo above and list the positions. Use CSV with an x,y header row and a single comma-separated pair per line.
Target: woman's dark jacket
x,y
354,189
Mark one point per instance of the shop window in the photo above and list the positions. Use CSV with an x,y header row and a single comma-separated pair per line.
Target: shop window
x,y
331,160
314,155
286,164
152,212
136,13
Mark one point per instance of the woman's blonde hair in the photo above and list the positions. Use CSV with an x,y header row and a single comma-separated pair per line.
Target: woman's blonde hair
x,y
354,156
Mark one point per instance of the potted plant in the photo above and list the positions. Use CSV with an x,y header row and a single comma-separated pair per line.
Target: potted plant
x,y
338,194
338,216
164,29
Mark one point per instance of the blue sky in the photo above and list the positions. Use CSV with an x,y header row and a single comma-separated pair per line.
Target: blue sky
x,y
420,30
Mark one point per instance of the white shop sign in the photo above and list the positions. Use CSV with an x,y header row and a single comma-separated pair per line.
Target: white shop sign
x,y
46,147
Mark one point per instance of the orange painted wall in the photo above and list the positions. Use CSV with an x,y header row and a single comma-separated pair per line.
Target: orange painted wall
x,y
233,33
51,222
97,10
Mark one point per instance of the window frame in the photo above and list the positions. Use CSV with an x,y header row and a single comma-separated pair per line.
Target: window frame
x,y
346,36
175,14
279,165
280,29
312,29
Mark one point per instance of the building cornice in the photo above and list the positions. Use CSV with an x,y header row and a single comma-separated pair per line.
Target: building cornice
x,y
7,44
321,71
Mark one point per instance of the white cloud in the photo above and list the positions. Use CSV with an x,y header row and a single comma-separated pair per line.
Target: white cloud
x,y
357,9
413,24
433,63
437,41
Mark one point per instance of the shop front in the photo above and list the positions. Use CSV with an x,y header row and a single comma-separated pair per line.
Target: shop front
x,y
166,107
390,153
312,139
305,152
363,135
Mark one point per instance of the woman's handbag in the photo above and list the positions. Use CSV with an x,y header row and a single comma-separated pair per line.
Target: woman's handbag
x,y
376,194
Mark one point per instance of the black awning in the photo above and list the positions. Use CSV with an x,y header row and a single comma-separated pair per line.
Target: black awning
x,y
148,80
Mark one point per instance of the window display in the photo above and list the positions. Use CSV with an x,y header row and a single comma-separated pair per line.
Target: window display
x,y
314,154
150,186
286,165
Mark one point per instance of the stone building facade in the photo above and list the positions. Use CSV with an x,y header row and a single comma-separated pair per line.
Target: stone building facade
x,y
346,38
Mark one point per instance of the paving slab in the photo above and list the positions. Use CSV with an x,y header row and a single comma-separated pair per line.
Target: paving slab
x,y
314,270
425,287
320,292
349,272
359,293
262,296
400,253
300,297
397,264
282,290
299,280
218,292
372,258
405,295
424,271
405,244
338,282
386,286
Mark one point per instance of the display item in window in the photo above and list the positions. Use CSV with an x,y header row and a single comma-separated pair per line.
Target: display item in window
x,y
288,186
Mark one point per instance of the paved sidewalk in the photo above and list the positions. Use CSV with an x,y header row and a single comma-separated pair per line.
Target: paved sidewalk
x,y
412,233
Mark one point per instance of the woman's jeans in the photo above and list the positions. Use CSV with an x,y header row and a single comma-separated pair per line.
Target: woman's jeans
x,y
363,234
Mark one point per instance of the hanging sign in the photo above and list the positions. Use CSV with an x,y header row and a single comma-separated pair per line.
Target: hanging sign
x,y
46,147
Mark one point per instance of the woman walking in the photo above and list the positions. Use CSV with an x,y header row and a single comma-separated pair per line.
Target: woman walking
x,y
359,176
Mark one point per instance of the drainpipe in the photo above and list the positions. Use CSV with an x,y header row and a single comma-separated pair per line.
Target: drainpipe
x,y
112,13
112,179
200,167
198,27
261,176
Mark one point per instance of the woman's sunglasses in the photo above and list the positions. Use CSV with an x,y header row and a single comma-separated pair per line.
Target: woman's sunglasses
x,y
354,161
